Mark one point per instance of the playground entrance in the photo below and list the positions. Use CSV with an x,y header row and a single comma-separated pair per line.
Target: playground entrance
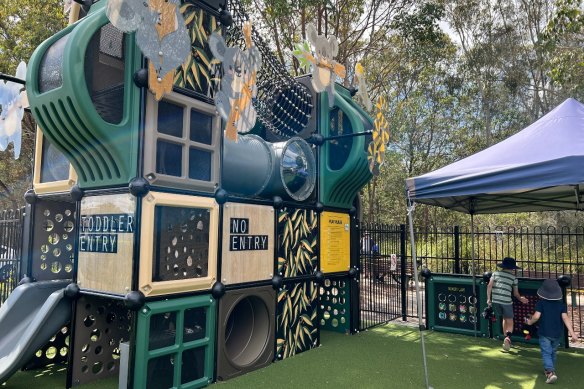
x,y
10,250
386,279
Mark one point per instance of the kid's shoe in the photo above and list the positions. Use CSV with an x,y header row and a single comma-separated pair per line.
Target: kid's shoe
x,y
507,343
551,377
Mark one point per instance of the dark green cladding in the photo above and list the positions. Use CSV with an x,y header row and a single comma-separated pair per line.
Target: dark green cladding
x,y
103,154
338,187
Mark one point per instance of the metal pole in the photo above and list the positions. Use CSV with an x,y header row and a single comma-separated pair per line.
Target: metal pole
x,y
421,326
474,286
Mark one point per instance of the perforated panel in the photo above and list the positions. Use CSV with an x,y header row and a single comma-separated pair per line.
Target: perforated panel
x,y
178,249
53,240
55,351
181,244
335,305
100,326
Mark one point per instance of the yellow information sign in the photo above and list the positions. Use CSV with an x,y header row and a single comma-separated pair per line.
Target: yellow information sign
x,y
335,242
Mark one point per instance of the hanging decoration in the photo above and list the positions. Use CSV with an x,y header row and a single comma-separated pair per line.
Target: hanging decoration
x,y
378,146
13,101
362,93
324,67
160,33
238,84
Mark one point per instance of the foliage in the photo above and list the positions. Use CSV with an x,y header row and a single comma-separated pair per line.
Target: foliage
x,y
197,72
297,319
564,35
297,238
23,26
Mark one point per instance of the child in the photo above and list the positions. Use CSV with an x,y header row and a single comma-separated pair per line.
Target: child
x,y
551,312
501,286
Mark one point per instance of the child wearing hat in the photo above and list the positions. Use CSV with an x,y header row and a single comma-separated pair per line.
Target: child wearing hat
x,y
550,311
502,285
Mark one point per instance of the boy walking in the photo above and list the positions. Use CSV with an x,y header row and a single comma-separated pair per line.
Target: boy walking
x,y
502,285
550,311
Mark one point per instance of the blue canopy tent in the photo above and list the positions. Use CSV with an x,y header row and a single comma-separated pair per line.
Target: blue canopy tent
x,y
538,169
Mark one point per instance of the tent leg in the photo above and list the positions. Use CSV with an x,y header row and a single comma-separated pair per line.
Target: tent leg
x,y
421,325
472,261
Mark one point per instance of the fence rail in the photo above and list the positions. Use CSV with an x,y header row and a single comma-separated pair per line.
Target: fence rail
x,y
10,250
540,252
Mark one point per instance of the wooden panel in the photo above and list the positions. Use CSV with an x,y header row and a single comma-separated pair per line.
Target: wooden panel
x,y
148,252
335,242
106,243
248,243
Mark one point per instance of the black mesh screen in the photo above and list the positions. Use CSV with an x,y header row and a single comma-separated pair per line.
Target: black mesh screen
x,y
104,73
284,106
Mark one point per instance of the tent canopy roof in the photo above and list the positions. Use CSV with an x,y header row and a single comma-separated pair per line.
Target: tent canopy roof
x,y
538,169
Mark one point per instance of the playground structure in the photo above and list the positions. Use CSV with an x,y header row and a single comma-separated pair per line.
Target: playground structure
x,y
158,251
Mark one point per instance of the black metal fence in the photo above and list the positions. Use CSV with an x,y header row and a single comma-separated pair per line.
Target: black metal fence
x,y
10,250
387,290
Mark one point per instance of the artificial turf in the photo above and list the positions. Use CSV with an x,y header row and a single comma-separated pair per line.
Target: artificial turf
x,y
386,357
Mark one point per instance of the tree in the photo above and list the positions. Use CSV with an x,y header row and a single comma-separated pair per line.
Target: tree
x,y
564,35
23,26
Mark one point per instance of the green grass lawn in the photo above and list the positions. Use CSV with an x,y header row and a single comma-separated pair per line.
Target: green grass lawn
x,y
388,357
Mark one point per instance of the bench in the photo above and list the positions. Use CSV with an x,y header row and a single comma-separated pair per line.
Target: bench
x,y
378,267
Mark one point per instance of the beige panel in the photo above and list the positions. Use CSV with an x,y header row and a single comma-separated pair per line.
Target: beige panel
x,y
48,187
244,257
147,234
106,271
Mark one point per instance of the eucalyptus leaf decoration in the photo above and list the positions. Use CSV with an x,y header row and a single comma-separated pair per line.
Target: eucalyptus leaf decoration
x,y
13,101
297,239
297,319
198,71
378,146
160,33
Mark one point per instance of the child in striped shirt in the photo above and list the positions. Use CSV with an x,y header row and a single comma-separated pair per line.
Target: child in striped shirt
x,y
502,286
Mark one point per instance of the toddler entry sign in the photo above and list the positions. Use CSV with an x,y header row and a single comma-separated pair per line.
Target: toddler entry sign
x,y
106,242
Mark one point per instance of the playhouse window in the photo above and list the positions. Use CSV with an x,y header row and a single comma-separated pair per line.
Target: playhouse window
x,y
170,119
51,69
104,73
340,148
54,164
201,127
168,158
199,164
183,135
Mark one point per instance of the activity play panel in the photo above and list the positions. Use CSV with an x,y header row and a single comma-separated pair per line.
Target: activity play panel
x,y
453,307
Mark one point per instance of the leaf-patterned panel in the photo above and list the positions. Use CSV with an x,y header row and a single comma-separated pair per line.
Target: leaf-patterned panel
x,y
297,242
197,73
297,319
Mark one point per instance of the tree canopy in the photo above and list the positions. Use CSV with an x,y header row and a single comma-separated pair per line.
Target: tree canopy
x,y
23,26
